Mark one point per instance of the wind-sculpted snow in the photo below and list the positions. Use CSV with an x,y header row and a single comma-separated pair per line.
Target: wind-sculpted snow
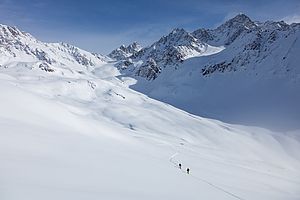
x,y
90,138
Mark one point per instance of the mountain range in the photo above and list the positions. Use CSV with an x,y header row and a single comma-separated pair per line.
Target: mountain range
x,y
240,71
81,125
243,71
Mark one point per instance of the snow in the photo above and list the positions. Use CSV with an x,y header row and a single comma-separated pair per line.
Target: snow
x,y
71,127
242,73
63,139
124,52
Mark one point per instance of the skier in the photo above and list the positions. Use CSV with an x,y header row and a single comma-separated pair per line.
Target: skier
x,y
188,170
179,165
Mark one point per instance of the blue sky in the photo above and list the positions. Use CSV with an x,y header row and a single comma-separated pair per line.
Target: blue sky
x,y
102,25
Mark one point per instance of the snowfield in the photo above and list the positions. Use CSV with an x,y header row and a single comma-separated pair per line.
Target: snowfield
x,y
85,137
72,128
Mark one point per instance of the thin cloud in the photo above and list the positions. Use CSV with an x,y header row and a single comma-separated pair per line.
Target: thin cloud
x,y
292,19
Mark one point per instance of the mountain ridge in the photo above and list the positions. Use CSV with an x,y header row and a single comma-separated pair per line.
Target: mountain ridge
x,y
219,73
18,46
179,45
248,70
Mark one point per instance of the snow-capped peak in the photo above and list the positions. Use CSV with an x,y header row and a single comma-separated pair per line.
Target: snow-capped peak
x,y
11,34
21,47
226,33
190,70
67,137
134,47
250,41
124,52
178,31
12,31
177,37
168,51
238,21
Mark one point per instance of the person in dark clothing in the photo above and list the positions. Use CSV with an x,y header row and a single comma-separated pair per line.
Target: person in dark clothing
x,y
179,165
188,170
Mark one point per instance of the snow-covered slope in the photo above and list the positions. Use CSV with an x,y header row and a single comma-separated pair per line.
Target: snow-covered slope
x,y
77,131
20,49
91,138
241,72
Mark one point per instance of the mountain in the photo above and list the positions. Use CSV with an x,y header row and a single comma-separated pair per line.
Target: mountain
x,y
72,127
226,33
246,42
242,71
20,49
124,52
170,50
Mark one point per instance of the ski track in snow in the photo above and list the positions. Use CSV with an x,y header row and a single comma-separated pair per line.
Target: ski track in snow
x,y
176,163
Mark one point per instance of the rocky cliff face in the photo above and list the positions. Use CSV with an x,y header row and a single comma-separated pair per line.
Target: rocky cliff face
x,y
238,44
170,50
124,52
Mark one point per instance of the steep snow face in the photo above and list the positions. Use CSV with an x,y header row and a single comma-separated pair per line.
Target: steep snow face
x,y
242,69
18,48
124,52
